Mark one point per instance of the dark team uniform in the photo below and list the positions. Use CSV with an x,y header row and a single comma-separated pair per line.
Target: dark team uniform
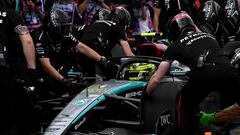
x,y
10,95
55,42
215,74
189,47
56,51
8,21
61,56
110,33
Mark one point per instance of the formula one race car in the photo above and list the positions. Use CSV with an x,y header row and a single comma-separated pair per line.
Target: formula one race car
x,y
121,106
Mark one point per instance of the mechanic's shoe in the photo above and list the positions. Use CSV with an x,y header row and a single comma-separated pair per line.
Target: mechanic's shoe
x,y
207,118
228,114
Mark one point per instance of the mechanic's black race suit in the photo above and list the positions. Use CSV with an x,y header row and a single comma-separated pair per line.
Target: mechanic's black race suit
x,y
14,104
61,55
101,36
215,73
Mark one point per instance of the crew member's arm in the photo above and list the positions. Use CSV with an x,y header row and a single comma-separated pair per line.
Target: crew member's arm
x,y
163,68
49,69
156,16
126,48
28,46
84,49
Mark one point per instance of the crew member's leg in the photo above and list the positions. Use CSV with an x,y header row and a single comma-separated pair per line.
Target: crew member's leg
x,y
231,100
7,102
192,95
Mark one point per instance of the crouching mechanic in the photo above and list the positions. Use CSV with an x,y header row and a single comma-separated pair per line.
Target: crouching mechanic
x,y
229,32
210,70
103,35
55,44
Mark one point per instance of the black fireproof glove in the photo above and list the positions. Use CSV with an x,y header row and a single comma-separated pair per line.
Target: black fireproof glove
x,y
104,62
29,85
31,78
68,84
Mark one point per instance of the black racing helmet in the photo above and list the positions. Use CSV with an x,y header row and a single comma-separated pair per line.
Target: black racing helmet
x,y
101,14
230,17
178,25
120,15
8,3
57,24
208,17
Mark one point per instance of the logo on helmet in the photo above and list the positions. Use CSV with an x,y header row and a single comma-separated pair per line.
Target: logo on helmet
x,y
180,24
230,8
208,17
180,16
208,10
230,17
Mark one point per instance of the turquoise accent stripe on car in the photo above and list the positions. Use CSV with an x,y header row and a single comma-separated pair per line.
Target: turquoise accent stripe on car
x,y
123,88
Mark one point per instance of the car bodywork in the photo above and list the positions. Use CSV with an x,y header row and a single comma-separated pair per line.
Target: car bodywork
x,y
112,103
